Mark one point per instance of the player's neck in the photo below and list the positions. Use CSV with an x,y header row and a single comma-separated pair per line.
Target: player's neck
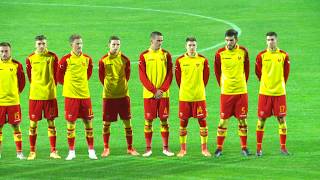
x,y
191,54
272,48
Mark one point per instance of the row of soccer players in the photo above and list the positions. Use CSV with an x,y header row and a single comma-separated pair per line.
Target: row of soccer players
x,y
231,67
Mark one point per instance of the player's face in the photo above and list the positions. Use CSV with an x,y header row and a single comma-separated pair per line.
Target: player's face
x,y
114,46
41,45
191,47
272,42
5,53
231,42
77,46
156,42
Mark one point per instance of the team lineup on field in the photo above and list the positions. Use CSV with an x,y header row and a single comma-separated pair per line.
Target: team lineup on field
x,y
191,72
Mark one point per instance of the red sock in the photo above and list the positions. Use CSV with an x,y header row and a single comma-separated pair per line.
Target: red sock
x,y
53,143
165,137
184,146
283,138
204,146
243,140
259,140
148,137
129,137
90,142
220,140
18,146
71,142
33,139
106,138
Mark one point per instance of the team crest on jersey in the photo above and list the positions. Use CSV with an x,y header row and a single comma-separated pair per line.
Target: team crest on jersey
x,y
239,57
197,65
11,69
279,60
83,64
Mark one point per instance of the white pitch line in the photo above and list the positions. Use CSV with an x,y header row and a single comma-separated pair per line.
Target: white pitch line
x,y
234,26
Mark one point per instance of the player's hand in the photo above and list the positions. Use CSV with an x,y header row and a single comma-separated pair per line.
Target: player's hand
x,y
158,94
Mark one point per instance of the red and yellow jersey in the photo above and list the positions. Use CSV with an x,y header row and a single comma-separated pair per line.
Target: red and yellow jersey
x,y
192,75
74,72
41,71
231,68
155,72
12,82
114,74
272,69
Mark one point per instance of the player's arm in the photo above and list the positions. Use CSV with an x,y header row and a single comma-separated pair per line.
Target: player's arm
x,y
127,68
206,72
178,73
28,68
246,65
143,76
286,68
258,67
101,71
168,79
55,68
217,67
90,67
62,66
21,78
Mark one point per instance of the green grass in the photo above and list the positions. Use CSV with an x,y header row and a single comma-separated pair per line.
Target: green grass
x,y
296,23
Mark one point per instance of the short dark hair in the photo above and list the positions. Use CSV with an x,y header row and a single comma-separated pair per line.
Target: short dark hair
x,y
155,33
113,38
271,33
74,37
231,32
2,44
40,38
191,38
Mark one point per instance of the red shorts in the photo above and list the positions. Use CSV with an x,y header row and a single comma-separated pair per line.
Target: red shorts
x,y
154,108
77,108
272,105
196,109
233,105
114,107
49,108
12,112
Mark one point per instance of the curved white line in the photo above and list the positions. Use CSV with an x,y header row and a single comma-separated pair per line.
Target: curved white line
x,y
234,26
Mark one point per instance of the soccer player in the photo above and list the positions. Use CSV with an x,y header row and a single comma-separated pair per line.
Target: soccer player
x,y
155,71
272,69
231,67
114,74
41,70
12,82
74,72
192,75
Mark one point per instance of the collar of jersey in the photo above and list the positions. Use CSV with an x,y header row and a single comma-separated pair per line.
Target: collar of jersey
x,y
44,52
151,50
73,54
186,55
237,47
269,50
9,60
113,56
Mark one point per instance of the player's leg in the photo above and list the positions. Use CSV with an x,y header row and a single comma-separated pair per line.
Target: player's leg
x,y
221,134
50,113
226,111
32,139
89,138
264,111
17,135
204,136
150,113
283,135
163,113
148,131
128,130
71,126
183,136
52,135
242,132
106,138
